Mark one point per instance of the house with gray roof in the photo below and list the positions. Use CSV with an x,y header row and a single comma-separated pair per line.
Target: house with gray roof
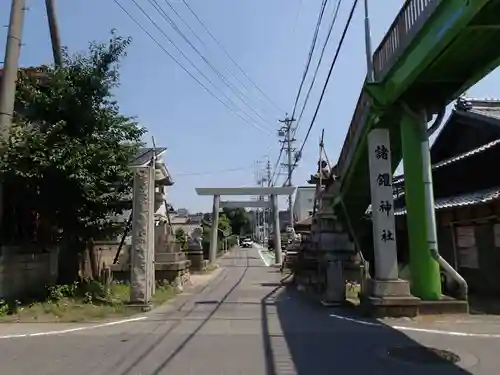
x,y
466,182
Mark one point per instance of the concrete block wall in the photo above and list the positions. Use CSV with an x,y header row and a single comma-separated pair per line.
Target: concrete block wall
x,y
105,252
26,272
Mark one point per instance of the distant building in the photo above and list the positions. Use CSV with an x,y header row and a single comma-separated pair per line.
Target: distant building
x,y
304,203
182,211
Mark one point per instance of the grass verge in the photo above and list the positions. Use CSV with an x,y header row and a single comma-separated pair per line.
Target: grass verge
x,y
209,269
85,301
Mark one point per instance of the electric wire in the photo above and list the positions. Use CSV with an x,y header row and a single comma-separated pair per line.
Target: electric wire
x,y
216,40
309,57
304,74
257,98
238,93
174,26
337,52
253,124
330,29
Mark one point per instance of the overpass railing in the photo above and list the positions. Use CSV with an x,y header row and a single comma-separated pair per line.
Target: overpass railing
x,y
353,134
409,21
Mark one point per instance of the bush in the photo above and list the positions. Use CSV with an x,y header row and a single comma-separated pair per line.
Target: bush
x,y
232,241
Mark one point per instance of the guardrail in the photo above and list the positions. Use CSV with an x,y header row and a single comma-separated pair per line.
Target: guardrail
x,y
354,132
409,21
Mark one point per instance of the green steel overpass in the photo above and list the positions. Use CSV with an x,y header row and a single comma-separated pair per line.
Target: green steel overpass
x,y
433,51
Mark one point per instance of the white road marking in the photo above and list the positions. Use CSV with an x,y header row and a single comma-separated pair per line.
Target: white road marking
x,y
71,330
415,329
259,249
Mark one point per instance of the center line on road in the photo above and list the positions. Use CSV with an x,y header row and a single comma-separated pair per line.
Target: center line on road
x,y
71,330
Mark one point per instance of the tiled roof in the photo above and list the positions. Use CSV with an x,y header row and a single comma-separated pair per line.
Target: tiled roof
x,y
495,143
469,199
145,154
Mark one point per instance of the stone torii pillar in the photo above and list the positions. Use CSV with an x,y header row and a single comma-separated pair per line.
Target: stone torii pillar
x,y
214,234
272,192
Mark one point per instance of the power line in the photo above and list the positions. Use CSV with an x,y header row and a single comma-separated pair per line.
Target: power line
x,y
229,56
253,124
309,57
337,52
330,28
167,2
239,94
185,56
304,74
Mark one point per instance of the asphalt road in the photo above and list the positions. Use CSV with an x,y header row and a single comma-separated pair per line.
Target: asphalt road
x,y
242,323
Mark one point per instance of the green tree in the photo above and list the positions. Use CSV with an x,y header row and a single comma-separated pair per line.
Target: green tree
x,y
67,162
224,224
181,237
239,220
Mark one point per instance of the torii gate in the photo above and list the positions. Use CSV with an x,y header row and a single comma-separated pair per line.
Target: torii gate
x,y
272,192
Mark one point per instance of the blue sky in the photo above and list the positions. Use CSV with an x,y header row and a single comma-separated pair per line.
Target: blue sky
x,y
269,39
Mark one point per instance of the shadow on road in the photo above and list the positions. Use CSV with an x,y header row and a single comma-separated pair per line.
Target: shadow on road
x,y
217,304
319,344
484,305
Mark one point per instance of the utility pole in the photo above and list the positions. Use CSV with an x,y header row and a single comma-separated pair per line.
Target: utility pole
x,y
368,45
286,131
267,212
54,32
10,67
8,76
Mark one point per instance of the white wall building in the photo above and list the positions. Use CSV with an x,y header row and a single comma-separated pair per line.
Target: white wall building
x,y
303,203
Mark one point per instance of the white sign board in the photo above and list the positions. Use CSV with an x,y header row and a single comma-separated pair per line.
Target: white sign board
x,y
384,228
466,236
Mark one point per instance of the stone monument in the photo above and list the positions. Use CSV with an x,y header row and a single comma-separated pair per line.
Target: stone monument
x,y
386,294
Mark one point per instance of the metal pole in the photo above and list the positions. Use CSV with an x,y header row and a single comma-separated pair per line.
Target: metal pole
x,y
368,45
54,32
11,63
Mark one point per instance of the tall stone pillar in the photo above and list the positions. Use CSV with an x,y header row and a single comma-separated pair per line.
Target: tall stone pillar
x,y
384,227
212,257
276,224
386,294
142,252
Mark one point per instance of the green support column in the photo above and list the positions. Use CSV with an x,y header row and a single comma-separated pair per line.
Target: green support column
x,y
425,278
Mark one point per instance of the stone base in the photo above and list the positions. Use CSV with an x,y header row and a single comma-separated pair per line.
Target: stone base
x,y
394,307
176,273
446,305
140,307
198,264
388,298
387,288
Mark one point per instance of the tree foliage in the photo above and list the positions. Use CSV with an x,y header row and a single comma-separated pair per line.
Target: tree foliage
x,y
238,220
66,168
181,237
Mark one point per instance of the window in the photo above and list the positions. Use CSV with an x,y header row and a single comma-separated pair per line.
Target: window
x,y
310,213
